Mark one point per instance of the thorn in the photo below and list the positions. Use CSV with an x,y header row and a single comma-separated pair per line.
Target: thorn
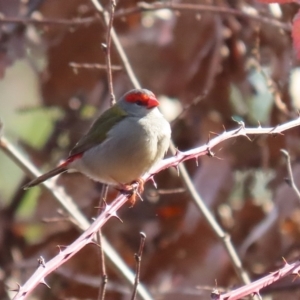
x,y
41,262
224,128
210,153
219,158
259,125
248,137
285,262
177,169
215,133
114,215
273,129
153,181
258,295
197,162
45,283
60,246
139,195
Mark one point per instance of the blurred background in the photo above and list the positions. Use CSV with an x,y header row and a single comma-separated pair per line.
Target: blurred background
x,y
233,62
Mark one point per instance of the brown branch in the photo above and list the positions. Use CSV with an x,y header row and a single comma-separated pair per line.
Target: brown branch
x,y
291,180
102,203
93,66
118,47
144,6
110,17
46,21
138,259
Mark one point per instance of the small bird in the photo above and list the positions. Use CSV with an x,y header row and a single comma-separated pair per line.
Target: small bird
x,y
121,145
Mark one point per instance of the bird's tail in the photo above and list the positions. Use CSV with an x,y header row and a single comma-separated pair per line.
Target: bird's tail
x,y
60,169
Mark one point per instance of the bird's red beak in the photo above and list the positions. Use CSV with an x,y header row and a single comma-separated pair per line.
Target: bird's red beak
x,y
152,102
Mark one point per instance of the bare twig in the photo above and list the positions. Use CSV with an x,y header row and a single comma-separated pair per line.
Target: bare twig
x,y
144,6
118,46
48,21
291,180
107,48
138,259
171,191
93,66
102,203
108,51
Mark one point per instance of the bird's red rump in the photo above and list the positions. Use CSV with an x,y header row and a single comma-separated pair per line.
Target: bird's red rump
x,y
142,99
71,159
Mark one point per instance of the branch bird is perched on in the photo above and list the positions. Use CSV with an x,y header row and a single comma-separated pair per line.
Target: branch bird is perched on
x,y
121,145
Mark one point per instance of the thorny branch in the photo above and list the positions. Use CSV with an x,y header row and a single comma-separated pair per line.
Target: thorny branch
x,y
256,286
111,210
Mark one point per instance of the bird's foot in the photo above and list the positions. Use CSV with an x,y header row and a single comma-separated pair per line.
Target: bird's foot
x,y
133,190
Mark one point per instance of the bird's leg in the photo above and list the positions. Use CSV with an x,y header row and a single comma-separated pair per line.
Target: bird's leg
x,y
140,187
136,188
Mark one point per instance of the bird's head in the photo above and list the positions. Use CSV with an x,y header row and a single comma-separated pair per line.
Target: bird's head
x,y
138,102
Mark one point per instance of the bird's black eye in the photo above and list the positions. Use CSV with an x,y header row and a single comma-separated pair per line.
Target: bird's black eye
x,y
139,102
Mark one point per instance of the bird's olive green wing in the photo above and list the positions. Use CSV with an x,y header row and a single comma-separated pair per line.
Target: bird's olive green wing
x,y
98,132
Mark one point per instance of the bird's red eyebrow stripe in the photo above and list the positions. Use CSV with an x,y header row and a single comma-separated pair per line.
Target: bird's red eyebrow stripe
x,y
137,96
147,100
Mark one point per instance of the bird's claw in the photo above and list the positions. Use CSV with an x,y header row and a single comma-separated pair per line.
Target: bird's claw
x,y
133,190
